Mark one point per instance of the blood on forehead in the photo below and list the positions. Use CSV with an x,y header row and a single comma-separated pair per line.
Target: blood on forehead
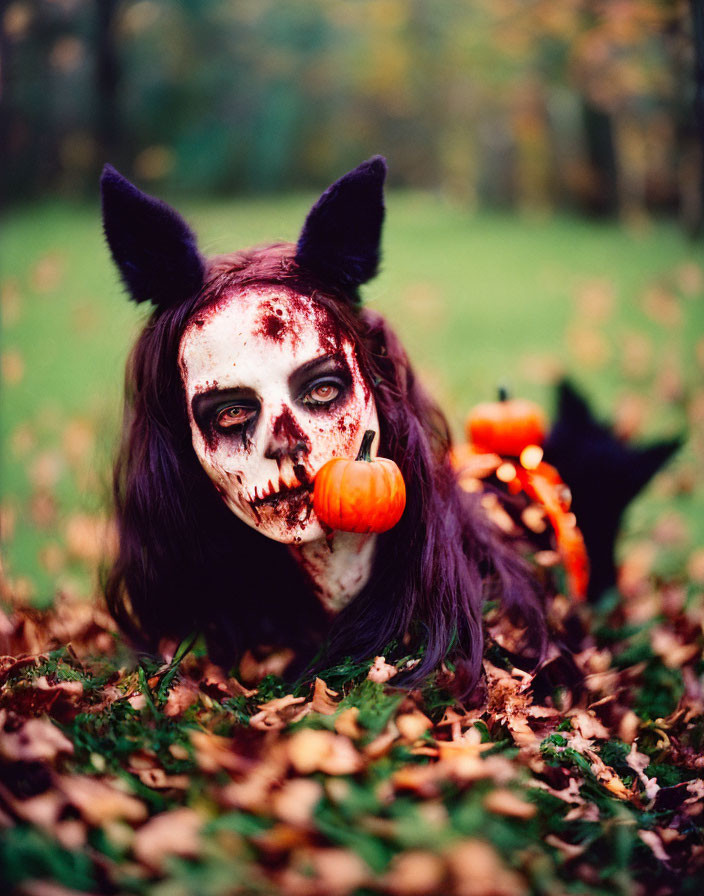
x,y
282,318
273,314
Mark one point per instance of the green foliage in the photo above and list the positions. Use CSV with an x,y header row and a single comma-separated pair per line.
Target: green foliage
x,y
376,705
28,851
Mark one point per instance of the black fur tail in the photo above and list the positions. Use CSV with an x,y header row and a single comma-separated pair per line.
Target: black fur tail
x,y
604,474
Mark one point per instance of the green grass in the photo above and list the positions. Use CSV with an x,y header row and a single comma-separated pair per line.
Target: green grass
x,y
477,299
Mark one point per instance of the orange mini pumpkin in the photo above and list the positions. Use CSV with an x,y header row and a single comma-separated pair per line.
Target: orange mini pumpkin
x,y
361,495
506,426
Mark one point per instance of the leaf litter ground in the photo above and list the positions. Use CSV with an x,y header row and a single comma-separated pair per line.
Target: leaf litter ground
x,y
124,774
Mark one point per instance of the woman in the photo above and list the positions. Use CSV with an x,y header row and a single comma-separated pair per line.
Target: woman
x,y
254,369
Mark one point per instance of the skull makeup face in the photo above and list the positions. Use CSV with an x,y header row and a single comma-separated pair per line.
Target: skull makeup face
x,y
274,390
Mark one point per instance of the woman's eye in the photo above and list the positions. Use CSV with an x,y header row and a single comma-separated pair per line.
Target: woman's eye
x,y
322,394
235,415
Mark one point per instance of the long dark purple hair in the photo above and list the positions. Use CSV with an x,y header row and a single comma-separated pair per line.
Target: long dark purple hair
x,y
187,563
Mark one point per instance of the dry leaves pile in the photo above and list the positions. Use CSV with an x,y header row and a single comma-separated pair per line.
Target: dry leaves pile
x,y
118,776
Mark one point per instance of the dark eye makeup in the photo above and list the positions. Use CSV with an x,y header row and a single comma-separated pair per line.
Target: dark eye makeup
x,y
319,384
323,391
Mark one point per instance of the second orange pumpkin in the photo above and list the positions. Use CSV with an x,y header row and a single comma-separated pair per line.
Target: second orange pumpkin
x,y
506,426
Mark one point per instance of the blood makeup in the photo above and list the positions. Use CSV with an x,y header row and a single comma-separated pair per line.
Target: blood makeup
x,y
274,390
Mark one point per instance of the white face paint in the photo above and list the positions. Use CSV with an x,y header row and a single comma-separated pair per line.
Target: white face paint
x,y
274,391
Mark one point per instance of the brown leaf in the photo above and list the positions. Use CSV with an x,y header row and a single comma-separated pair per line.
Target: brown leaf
x,y
214,753
328,871
670,649
157,779
90,538
252,670
43,810
182,695
413,725
214,682
323,701
588,725
253,790
639,762
651,839
296,800
346,723
310,751
381,671
478,871
505,802
100,800
276,714
415,873
174,833
568,850
58,699
35,740
382,743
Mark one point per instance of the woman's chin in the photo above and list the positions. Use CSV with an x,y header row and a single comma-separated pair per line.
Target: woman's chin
x,y
288,522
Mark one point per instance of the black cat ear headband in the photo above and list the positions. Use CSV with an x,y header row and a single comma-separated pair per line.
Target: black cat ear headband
x,y
157,255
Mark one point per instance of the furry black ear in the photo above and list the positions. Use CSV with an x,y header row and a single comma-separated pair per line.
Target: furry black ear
x,y
604,474
341,235
154,249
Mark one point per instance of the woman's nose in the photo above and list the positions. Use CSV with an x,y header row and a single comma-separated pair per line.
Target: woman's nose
x,y
286,438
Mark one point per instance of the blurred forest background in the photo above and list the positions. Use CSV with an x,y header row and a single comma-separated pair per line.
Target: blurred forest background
x,y
581,104
544,213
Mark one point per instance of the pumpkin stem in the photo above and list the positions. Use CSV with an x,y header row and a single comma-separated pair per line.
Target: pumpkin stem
x,y
365,447
503,393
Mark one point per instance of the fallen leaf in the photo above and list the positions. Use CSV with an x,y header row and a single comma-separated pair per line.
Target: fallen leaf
x,y
174,833
296,800
100,800
310,750
501,801
413,725
414,873
251,670
381,671
323,698
182,695
478,871
568,850
651,839
346,723
35,740
670,648
275,714
639,762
